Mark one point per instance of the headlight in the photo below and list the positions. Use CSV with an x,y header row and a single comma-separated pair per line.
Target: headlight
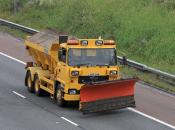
x,y
99,42
74,73
113,72
72,91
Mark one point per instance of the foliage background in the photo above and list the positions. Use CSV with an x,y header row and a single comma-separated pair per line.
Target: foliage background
x,y
144,29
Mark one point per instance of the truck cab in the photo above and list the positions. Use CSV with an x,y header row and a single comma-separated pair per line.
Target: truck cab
x,y
84,61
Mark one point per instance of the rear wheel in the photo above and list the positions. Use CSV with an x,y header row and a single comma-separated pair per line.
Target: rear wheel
x,y
59,98
29,82
37,88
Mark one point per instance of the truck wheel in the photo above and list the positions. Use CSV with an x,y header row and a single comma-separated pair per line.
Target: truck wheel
x,y
59,98
37,88
29,82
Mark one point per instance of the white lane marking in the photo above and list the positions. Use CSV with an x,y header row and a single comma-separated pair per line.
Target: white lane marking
x,y
69,121
131,109
19,94
12,58
152,118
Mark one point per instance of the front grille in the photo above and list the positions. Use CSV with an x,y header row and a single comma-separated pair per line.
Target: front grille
x,y
89,79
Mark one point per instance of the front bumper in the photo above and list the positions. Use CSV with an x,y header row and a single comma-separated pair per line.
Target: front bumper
x,y
69,97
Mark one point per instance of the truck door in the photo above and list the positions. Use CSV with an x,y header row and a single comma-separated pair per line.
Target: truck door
x,y
62,69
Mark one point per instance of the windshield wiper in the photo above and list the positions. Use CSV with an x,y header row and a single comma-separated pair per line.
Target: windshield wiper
x,y
102,64
84,64
88,64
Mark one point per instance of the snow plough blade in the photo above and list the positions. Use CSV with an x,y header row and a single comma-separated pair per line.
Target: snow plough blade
x,y
107,95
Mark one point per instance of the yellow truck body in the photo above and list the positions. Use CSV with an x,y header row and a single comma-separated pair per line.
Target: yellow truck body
x,y
63,66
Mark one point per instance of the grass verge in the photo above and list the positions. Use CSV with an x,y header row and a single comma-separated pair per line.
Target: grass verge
x,y
13,32
148,78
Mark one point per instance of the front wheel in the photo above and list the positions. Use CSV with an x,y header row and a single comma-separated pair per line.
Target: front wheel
x,y
59,98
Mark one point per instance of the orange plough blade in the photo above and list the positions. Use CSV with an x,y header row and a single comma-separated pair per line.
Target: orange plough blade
x,y
107,95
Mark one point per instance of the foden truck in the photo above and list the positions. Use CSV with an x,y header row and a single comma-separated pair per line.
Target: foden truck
x,y
77,70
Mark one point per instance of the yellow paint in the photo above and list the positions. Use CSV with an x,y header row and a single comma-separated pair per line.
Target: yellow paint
x,y
69,97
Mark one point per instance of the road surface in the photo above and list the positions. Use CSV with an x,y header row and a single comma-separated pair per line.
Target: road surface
x,y
22,110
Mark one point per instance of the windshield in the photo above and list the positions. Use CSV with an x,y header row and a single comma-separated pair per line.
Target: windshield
x,y
92,57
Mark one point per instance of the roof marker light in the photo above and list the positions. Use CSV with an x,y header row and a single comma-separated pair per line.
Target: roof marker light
x,y
72,42
109,42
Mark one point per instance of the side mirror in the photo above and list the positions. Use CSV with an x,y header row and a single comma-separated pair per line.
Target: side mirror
x,y
124,60
63,52
60,54
115,52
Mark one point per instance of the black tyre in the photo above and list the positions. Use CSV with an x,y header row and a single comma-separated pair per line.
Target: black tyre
x,y
37,89
29,82
60,98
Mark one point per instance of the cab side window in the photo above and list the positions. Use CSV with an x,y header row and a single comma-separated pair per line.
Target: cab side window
x,y
62,55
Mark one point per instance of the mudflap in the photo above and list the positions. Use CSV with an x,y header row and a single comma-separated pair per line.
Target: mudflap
x,y
107,95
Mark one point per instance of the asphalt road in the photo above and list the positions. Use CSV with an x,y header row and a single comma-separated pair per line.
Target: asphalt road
x,y
148,100
31,112
26,111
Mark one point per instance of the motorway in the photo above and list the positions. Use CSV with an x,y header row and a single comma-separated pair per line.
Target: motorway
x,y
22,110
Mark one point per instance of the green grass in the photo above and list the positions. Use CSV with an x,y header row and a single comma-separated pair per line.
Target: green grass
x,y
143,29
148,78
13,32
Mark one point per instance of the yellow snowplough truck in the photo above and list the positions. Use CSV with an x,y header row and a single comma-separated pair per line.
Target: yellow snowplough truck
x,y
81,70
